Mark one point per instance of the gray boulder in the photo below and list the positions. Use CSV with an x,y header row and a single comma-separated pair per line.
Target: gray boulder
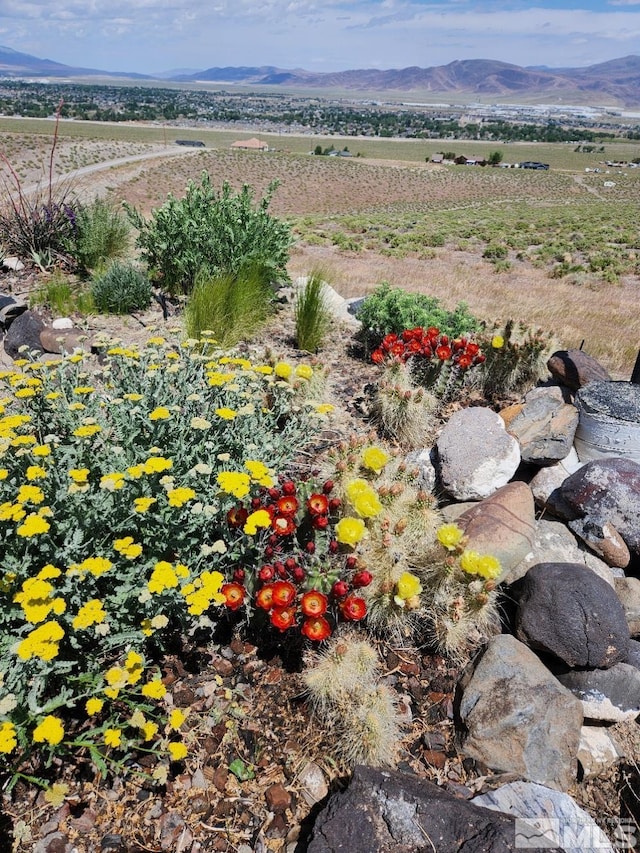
x,y
24,331
610,694
544,427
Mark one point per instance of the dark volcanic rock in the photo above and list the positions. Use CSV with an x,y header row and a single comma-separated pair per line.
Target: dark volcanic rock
x,y
24,331
574,368
393,812
573,614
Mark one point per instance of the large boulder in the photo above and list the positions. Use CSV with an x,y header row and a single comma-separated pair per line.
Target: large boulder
x,y
612,695
475,454
24,331
574,368
571,613
544,427
392,812
519,718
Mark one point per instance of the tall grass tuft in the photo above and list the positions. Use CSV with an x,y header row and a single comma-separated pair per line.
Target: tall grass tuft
x,y
63,298
312,315
230,305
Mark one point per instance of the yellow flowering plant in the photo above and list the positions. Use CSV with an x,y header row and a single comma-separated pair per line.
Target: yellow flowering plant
x,y
119,480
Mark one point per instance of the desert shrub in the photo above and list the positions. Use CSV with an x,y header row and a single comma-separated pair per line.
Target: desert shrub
x,y
393,310
101,235
312,315
231,306
122,288
211,232
61,296
495,252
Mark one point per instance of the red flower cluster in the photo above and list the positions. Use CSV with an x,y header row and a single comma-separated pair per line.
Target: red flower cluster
x,y
295,586
428,344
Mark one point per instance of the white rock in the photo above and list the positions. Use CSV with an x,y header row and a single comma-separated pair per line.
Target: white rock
x,y
13,263
62,323
597,750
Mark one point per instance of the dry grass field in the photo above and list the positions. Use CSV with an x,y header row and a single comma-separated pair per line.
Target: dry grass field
x,y
391,216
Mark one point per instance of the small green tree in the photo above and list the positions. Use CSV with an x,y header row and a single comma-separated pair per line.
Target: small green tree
x,y
495,158
212,233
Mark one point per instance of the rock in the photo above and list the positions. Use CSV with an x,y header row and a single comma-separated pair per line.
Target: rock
x,y
63,341
609,425
476,455
62,323
633,657
518,717
393,812
547,479
10,308
628,590
606,694
54,842
607,490
597,751
572,614
603,539
278,798
544,427
312,783
12,263
553,542
502,525
422,461
24,331
546,815
574,368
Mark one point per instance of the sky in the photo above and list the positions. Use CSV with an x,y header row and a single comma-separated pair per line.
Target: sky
x,y
152,36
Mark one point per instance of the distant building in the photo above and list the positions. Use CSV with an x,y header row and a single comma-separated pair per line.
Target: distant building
x,y
532,164
252,144
191,143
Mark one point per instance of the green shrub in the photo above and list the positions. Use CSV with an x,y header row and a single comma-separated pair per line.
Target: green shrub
x,y
495,252
312,316
390,309
101,235
61,297
121,289
211,232
231,306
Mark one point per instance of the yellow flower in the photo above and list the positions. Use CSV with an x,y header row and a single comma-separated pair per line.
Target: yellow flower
x,y
113,481
349,531
30,494
3,473
374,458
154,689
363,498
41,450
113,737
49,731
450,536
177,718
87,430
259,472
216,378
96,565
149,730
163,577
79,475
156,464
94,706
133,397
142,505
91,613
180,496
226,414
203,592
84,389
497,341
235,483
127,547
32,526
116,677
42,642
283,370
324,408
408,586
484,565
34,472
303,371
36,601
259,518
160,413
8,740
178,751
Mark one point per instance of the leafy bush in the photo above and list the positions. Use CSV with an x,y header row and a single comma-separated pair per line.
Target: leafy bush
x,y
101,235
392,310
312,316
231,306
212,233
121,289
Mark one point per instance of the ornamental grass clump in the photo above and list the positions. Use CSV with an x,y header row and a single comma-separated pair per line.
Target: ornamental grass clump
x,y
312,314
139,500
361,714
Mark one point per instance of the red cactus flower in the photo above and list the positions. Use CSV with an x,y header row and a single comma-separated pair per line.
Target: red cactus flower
x,y
339,589
318,504
479,359
313,603
388,341
290,564
234,595
334,504
298,574
288,487
320,522
377,356
353,608
283,618
264,598
284,593
472,349
237,516
266,572
288,505
317,629
284,525
464,362
361,579
443,352
327,487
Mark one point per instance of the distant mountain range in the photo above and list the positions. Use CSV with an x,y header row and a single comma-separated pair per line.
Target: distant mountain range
x,y
615,83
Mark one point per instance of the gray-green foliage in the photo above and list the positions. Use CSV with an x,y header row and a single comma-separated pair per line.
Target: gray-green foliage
x,y
101,234
312,315
212,233
391,309
122,288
